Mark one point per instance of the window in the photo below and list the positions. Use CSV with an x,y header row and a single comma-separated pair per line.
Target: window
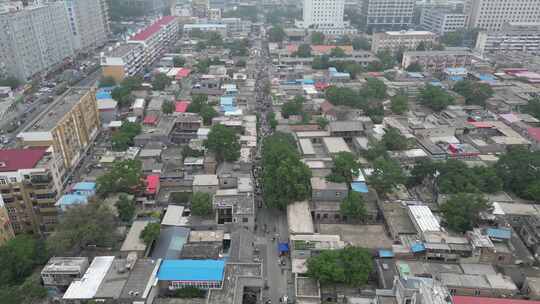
x,y
245,220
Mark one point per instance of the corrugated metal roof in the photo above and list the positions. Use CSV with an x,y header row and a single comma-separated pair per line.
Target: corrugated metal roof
x,y
88,285
191,270
424,218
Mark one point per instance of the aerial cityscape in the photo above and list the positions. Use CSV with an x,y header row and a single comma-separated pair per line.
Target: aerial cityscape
x,y
270,151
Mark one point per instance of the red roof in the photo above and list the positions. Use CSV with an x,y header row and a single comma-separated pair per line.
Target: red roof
x,y
482,300
181,106
16,159
321,86
182,73
534,133
150,120
321,49
326,106
153,28
152,183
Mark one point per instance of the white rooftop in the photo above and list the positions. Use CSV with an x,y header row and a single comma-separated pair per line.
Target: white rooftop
x,y
299,218
173,216
424,219
409,33
87,286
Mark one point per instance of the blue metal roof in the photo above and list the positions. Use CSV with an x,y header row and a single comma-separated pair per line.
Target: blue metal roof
x,y
499,233
283,247
386,253
309,81
359,187
418,247
84,186
226,100
191,270
71,199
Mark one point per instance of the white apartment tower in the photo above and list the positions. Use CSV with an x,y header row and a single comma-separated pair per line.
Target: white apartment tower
x,y
387,15
493,14
88,23
323,15
34,39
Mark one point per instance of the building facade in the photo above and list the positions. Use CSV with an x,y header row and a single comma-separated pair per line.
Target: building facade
x,y
441,20
387,15
405,40
29,187
493,14
122,60
6,231
323,14
88,23
436,61
34,39
69,126
514,37
156,37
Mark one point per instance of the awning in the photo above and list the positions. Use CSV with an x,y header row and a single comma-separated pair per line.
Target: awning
x,y
283,247
418,247
386,253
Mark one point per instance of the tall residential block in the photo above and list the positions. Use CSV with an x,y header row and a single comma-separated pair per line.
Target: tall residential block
x,y
442,19
29,188
323,15
513,37
34,39
493,14
88,23
69,126
401,40
387,15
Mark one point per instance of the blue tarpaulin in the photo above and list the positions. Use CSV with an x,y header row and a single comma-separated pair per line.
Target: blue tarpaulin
x,y
191,270
359,187
418,247
499,233
386,253
283,247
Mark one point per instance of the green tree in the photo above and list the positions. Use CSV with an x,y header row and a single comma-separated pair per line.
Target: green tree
x,y
399,104
321,62
214,39
201,204
337,52
518,169
11,82
107,82
304,50
374,88
126,208
344,96
353,206
122,95
150,233
178,61
276,34
123,138
285,178
386,175
533,107
393,140
271,116
375,66
294,107
435,98
455,176
350,265
345,168
223,142
461,211
208,113
421,170
167,107
132,83
322,122
475,93
160,82
386,59
18,257
83,225
415,67
124,176
361,43
189,293
317,38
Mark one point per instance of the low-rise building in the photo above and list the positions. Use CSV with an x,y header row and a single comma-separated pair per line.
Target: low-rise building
x,y
202,274
437,61
323,190
207,183
133,242
60,272
406,40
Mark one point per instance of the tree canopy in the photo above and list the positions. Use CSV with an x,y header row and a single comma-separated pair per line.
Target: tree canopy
x,y
201,204
475,93
387,59
337,52
167,107
346,166
435,98
394,141
304,50
18,257
387,174
178,61
399,104
83,225
11,82
294,107
361,43
123,138
350,265
150,233
415,67
223,142
124,176
461,211
285,178
533,107
518,169
126,208
160,82
276,34
317,38
353,206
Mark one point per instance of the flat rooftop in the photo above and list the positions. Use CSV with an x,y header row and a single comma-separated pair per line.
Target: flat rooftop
x,y
56,110
299,218
121,50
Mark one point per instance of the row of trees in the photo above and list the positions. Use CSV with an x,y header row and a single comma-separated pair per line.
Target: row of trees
x,y
285,178
345,66
123,138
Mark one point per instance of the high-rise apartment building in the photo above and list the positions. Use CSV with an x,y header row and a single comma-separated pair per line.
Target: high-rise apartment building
x,y
29,188
493,14
69,125
323,15
513,37
34,39
88,23
199,8
387,15
442,19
